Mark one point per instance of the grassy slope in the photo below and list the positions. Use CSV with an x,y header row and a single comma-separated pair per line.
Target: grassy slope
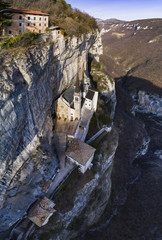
x,y
128,51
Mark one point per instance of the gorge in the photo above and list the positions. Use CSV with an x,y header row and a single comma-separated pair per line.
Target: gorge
x,y
116,195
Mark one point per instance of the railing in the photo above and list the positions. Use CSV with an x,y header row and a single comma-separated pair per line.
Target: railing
x,y
104,128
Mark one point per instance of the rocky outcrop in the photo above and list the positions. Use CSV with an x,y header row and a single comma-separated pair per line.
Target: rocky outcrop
x,y
30,81
97,48
149,103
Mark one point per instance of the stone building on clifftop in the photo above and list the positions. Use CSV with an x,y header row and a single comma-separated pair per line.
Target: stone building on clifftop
x,y
26,20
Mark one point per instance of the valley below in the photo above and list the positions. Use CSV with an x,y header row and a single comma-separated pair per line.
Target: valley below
x,y
135,206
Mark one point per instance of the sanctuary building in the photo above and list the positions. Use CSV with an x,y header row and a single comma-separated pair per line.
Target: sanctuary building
x,y
26,20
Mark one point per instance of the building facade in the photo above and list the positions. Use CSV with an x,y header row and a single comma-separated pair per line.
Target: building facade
x,y
81,154
71,105
26,20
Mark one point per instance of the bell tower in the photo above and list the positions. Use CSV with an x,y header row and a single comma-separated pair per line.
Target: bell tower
x,y
77,101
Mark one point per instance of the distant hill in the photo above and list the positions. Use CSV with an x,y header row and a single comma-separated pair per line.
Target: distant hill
x,y
113,20
133,49
99,20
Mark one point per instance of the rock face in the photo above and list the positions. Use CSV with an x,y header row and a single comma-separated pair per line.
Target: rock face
x,y
83,201
30,81
149,103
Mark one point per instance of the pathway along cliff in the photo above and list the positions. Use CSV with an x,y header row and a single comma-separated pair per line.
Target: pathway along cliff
x,y
134,210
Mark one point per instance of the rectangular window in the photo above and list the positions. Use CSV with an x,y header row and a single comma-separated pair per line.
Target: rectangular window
x,y
45,19
34,18
34,24
40,24
28,18
19,24
45,24
39,31
28,24
9,32
40,18
19,31
20,17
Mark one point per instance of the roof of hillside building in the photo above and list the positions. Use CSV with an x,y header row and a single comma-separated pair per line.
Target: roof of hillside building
x,y
80,152
42,212
90,94
68,95
21,11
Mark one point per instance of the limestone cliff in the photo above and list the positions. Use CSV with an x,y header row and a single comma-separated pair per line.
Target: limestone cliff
x,y
30,82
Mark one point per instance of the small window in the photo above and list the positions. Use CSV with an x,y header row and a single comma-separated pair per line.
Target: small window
x,y
28,24
20,17
28,18
19,31
19,24
45,24
10,32
40,24
40,18
34,18
34,24
45,19
39,31
76,99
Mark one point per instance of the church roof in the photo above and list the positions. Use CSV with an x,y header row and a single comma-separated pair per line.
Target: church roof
x,y
68,95
90,94
80,152
11,10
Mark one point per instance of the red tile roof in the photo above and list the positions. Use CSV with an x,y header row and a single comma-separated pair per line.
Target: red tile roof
x,y
25,11
80,152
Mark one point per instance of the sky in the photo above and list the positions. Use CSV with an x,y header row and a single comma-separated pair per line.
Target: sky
x,y
120,9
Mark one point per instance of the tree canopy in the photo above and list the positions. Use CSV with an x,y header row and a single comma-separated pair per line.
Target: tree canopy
x,y
5,18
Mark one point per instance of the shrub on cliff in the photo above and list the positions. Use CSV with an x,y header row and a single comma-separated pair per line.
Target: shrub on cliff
x,y
5,18
21,40
73,21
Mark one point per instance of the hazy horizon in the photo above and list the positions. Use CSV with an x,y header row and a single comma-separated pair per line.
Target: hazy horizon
x,y
120,9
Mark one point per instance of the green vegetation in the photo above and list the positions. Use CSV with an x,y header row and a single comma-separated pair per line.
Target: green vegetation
x,y
68,180
102,113
101,116
61,14
98,76
97,65
5,18
21,40
93,128
75,224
